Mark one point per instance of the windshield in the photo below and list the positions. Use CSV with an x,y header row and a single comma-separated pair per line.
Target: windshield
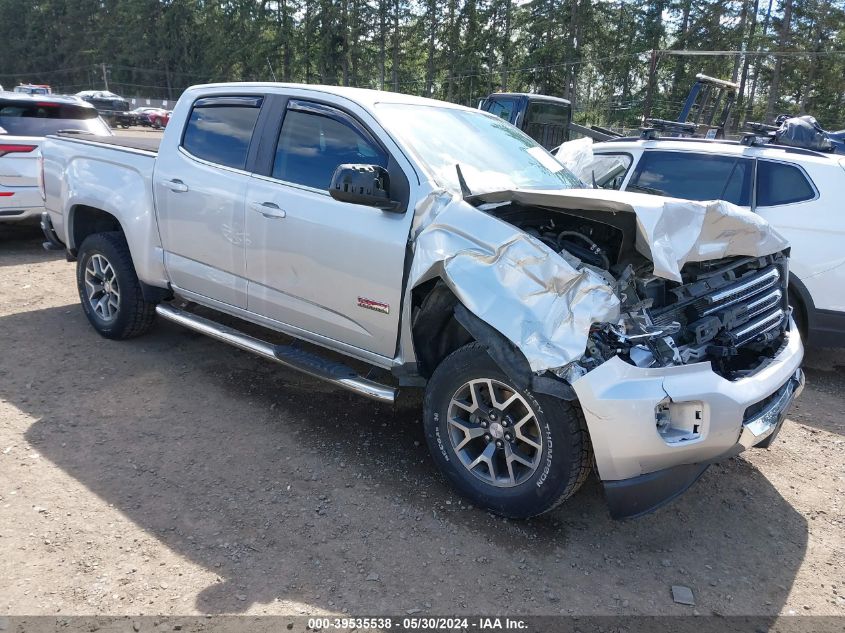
x,y
33,118
493,154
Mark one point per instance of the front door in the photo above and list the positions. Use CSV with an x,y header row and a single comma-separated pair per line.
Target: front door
x,y
329,268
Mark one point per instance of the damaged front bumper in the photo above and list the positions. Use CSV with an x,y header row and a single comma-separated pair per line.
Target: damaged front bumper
x,y
655,430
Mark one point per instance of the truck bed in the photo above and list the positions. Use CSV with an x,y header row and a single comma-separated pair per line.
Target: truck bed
x,y
136,143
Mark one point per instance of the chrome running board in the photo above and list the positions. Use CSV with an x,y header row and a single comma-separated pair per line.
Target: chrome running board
x,y
287,355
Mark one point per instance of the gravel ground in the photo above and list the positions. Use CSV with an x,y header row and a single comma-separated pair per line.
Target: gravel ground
x,y
172,474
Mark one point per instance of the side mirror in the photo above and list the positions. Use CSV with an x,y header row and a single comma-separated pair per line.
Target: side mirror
x,y
368,185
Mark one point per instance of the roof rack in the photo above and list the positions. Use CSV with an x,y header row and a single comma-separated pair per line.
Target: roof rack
x,y
752,140
662,125
756,126
650,134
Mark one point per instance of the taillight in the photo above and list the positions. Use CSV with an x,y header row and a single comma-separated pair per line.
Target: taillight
x,y
15,149
6,194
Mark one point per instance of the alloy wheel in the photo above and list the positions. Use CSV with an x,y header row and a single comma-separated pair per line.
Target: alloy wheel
x,y
495,432
102,288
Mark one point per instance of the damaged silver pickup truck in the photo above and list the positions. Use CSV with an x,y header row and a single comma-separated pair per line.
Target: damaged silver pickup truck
x,y
553,328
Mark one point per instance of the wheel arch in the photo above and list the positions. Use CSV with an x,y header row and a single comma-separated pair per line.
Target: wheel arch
x,y
85,220
802,302
435,331
442,324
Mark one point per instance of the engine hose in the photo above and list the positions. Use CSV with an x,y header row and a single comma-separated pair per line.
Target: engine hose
x,y
594,248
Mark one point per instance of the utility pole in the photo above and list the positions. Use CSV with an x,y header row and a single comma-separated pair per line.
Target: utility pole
x,y
650,86
105,76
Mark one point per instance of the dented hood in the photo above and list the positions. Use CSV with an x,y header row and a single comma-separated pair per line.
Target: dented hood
x,y
531,294
670,232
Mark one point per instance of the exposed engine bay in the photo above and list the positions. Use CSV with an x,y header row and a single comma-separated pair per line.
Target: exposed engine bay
x,y
732,312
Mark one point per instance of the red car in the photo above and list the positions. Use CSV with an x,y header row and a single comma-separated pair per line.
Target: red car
x,y
158,118
154,117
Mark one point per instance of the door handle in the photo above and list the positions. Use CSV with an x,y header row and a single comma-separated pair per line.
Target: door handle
x,y
176,185
268,209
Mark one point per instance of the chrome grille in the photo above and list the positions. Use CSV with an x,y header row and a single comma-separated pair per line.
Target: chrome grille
x,y
739,291
756,328
730,307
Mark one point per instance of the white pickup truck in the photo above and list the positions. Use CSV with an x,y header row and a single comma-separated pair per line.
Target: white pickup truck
x,y
552,327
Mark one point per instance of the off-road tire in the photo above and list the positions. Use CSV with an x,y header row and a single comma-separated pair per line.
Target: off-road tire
x,y
566,456
134,315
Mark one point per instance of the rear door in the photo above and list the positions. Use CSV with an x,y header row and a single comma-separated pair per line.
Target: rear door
x,y
199,192
328,268
786,196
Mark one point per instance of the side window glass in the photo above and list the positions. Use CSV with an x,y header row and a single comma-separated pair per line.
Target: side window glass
x,y
311,146
221,133
738,187
607,170
778,183
502,108
547,114
693,176
547,123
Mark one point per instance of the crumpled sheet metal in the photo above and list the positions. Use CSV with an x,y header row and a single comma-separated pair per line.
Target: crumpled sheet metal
x,y
510,280
670,232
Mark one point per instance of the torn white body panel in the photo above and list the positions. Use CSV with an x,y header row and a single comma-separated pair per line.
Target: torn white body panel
x,y
532,295
577,156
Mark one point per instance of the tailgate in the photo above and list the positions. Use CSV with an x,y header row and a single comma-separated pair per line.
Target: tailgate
x,y
20,171
19,160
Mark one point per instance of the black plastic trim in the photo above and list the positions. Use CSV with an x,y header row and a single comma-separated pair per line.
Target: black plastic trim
x,y
511,360
52,243
154,294
828,329
634,497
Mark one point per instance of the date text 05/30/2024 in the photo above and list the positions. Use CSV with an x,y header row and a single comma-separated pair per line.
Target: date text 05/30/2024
x,y
418,623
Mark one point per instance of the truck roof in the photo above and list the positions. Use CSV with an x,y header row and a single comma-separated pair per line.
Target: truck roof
x,y
533,97
363,96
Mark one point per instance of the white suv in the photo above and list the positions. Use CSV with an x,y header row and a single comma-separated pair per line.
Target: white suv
x,y
800,192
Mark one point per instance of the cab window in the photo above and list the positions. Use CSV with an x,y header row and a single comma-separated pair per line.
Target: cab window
x,y
314,140
219,130
502,108
547,122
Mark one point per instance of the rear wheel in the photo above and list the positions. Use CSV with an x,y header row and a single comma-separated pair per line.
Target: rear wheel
x,y
509,450
109,289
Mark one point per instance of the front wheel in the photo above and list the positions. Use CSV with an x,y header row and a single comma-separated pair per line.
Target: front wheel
x,y
109,289
509,450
